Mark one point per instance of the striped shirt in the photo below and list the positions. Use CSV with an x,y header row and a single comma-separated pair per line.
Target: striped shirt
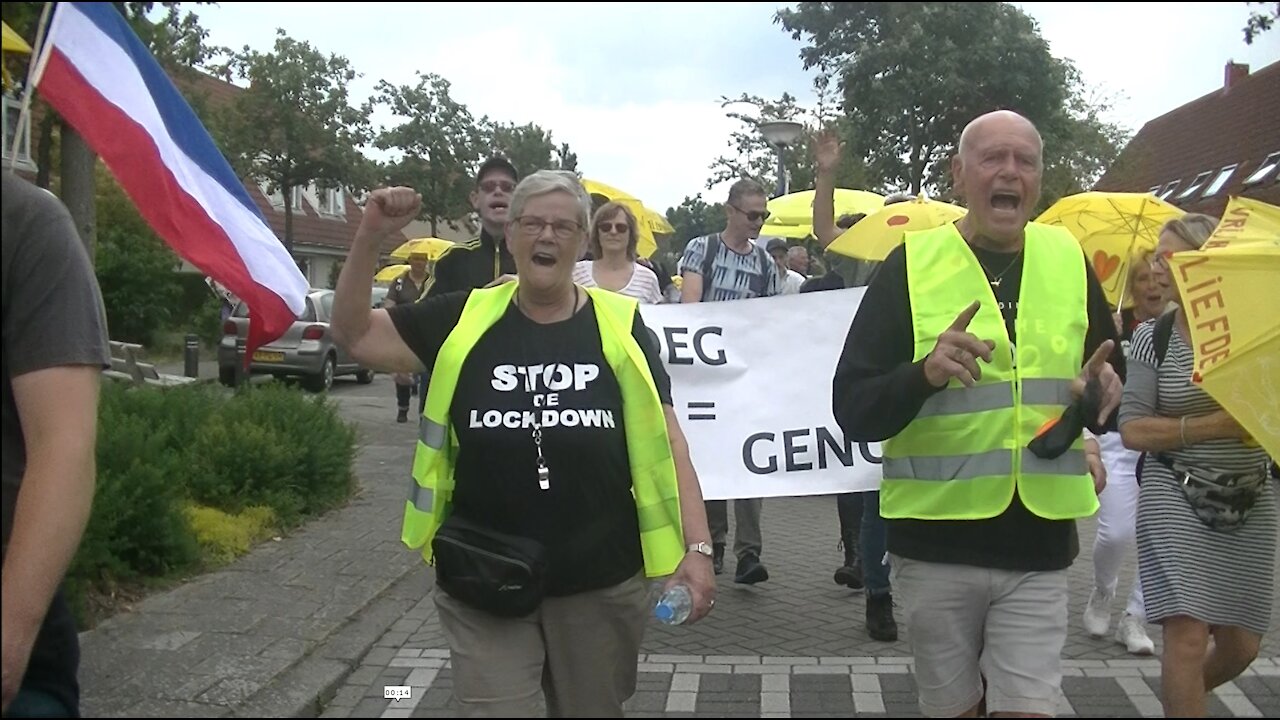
x,y
642,286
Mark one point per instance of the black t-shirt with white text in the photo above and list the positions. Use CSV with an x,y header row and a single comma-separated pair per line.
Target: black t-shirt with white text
x,y
521,373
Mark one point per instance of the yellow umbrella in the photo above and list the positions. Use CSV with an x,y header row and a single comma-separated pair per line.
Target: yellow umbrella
x,y
794,232
1113,228
390,272
13,42
432,247
797,207
876,235
1232,300
1246,221
651,221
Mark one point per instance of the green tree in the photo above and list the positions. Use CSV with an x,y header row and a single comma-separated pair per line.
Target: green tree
x,y
1079,145
440,143
294,125
135,269
751,156
912,75
694,217
528,147
1260,21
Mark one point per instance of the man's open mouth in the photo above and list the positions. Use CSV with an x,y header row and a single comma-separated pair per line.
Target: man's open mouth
x,y
1005,201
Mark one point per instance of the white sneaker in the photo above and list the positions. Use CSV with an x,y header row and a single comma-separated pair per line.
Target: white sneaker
x,y
1097,614
1131,634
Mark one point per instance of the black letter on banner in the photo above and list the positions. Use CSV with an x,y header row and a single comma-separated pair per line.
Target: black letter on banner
x,y
747,460
792,450
867,455
672,346
827,440
719,359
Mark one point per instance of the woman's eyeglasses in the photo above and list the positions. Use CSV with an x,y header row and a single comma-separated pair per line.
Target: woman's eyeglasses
x,y
533,227
620,228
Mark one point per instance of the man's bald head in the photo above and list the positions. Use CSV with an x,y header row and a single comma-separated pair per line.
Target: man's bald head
x,y
997,118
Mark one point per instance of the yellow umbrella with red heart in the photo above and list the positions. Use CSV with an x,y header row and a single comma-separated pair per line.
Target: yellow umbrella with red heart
x,y
1113,228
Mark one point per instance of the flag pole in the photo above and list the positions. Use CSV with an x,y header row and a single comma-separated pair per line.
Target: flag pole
x,y
34,69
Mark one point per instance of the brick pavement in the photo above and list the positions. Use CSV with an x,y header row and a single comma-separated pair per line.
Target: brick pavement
x,y
795,646
322,620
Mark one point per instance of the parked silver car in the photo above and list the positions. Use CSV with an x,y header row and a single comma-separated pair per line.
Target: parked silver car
x,y
306,350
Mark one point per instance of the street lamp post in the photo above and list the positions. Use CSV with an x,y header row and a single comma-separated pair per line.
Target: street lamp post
x,y
781,134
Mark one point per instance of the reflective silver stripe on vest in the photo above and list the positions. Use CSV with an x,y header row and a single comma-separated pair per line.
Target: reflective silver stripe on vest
x,y
431,434
420,497
958,401
1044,391
1070,462
996,396
950,467
968,467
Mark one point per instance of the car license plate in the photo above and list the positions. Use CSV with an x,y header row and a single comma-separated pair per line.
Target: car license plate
x,y
264,356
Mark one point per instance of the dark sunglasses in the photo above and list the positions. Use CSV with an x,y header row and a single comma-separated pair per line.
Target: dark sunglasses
x,y
754,215
489,186
618,227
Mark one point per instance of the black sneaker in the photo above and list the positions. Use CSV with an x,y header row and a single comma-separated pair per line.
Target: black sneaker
x,y
880,623
402,415
717,557
750,570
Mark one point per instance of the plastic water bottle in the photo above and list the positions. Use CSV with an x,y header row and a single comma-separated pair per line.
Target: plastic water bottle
x,y
674,606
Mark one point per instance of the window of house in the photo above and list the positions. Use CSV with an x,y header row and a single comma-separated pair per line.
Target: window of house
x,y
1194,186
1153,189
1223,175
1168,189
298,195
1265,170
276,198
12,110
331,201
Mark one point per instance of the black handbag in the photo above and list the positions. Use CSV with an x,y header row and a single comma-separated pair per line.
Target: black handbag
x,y
501,574
1221,500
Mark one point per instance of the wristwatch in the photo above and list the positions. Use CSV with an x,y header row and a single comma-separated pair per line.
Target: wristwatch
x,y
701,547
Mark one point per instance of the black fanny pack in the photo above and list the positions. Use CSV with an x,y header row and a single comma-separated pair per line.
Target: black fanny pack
x,y
501,574
1222,500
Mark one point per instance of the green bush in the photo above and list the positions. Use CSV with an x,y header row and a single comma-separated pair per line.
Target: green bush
x,y
263,456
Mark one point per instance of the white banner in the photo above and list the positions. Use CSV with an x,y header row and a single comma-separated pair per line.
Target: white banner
x,y
751,384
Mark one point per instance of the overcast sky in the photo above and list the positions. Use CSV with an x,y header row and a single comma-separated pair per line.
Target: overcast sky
x,y
634,87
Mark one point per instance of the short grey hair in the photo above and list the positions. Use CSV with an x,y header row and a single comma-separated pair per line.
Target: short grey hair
x,y
545,182
1193,229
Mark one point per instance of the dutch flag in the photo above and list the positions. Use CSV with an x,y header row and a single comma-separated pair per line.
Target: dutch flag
x,y
100,78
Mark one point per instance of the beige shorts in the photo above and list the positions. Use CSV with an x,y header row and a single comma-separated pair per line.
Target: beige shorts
x,y
578,651
969,623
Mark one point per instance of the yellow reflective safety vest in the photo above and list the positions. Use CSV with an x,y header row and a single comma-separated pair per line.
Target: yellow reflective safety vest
x,y
965,454
653,470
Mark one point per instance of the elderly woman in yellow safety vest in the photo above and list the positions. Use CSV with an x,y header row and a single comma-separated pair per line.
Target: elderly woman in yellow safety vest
x,y
551,476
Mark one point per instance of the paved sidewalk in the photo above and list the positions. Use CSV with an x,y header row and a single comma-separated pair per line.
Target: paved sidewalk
x,y
321,621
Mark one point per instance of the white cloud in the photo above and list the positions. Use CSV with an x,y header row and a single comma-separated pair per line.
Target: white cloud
x,y
634,88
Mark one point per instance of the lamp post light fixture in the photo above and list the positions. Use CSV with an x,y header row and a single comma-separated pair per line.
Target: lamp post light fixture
x,y
781,134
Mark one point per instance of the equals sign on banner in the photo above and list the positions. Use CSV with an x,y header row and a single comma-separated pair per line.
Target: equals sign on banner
x,y
708,409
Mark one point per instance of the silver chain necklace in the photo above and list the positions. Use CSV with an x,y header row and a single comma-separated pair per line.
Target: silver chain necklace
x,y
544,473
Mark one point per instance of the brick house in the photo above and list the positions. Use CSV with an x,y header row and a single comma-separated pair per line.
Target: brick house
x,y
1226,143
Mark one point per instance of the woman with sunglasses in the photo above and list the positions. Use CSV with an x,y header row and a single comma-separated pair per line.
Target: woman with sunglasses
x,y
613,266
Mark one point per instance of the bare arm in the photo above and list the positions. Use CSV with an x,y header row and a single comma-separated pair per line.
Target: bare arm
x,y
826,153
690,287
695,569
1155,434
53,504
368,334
